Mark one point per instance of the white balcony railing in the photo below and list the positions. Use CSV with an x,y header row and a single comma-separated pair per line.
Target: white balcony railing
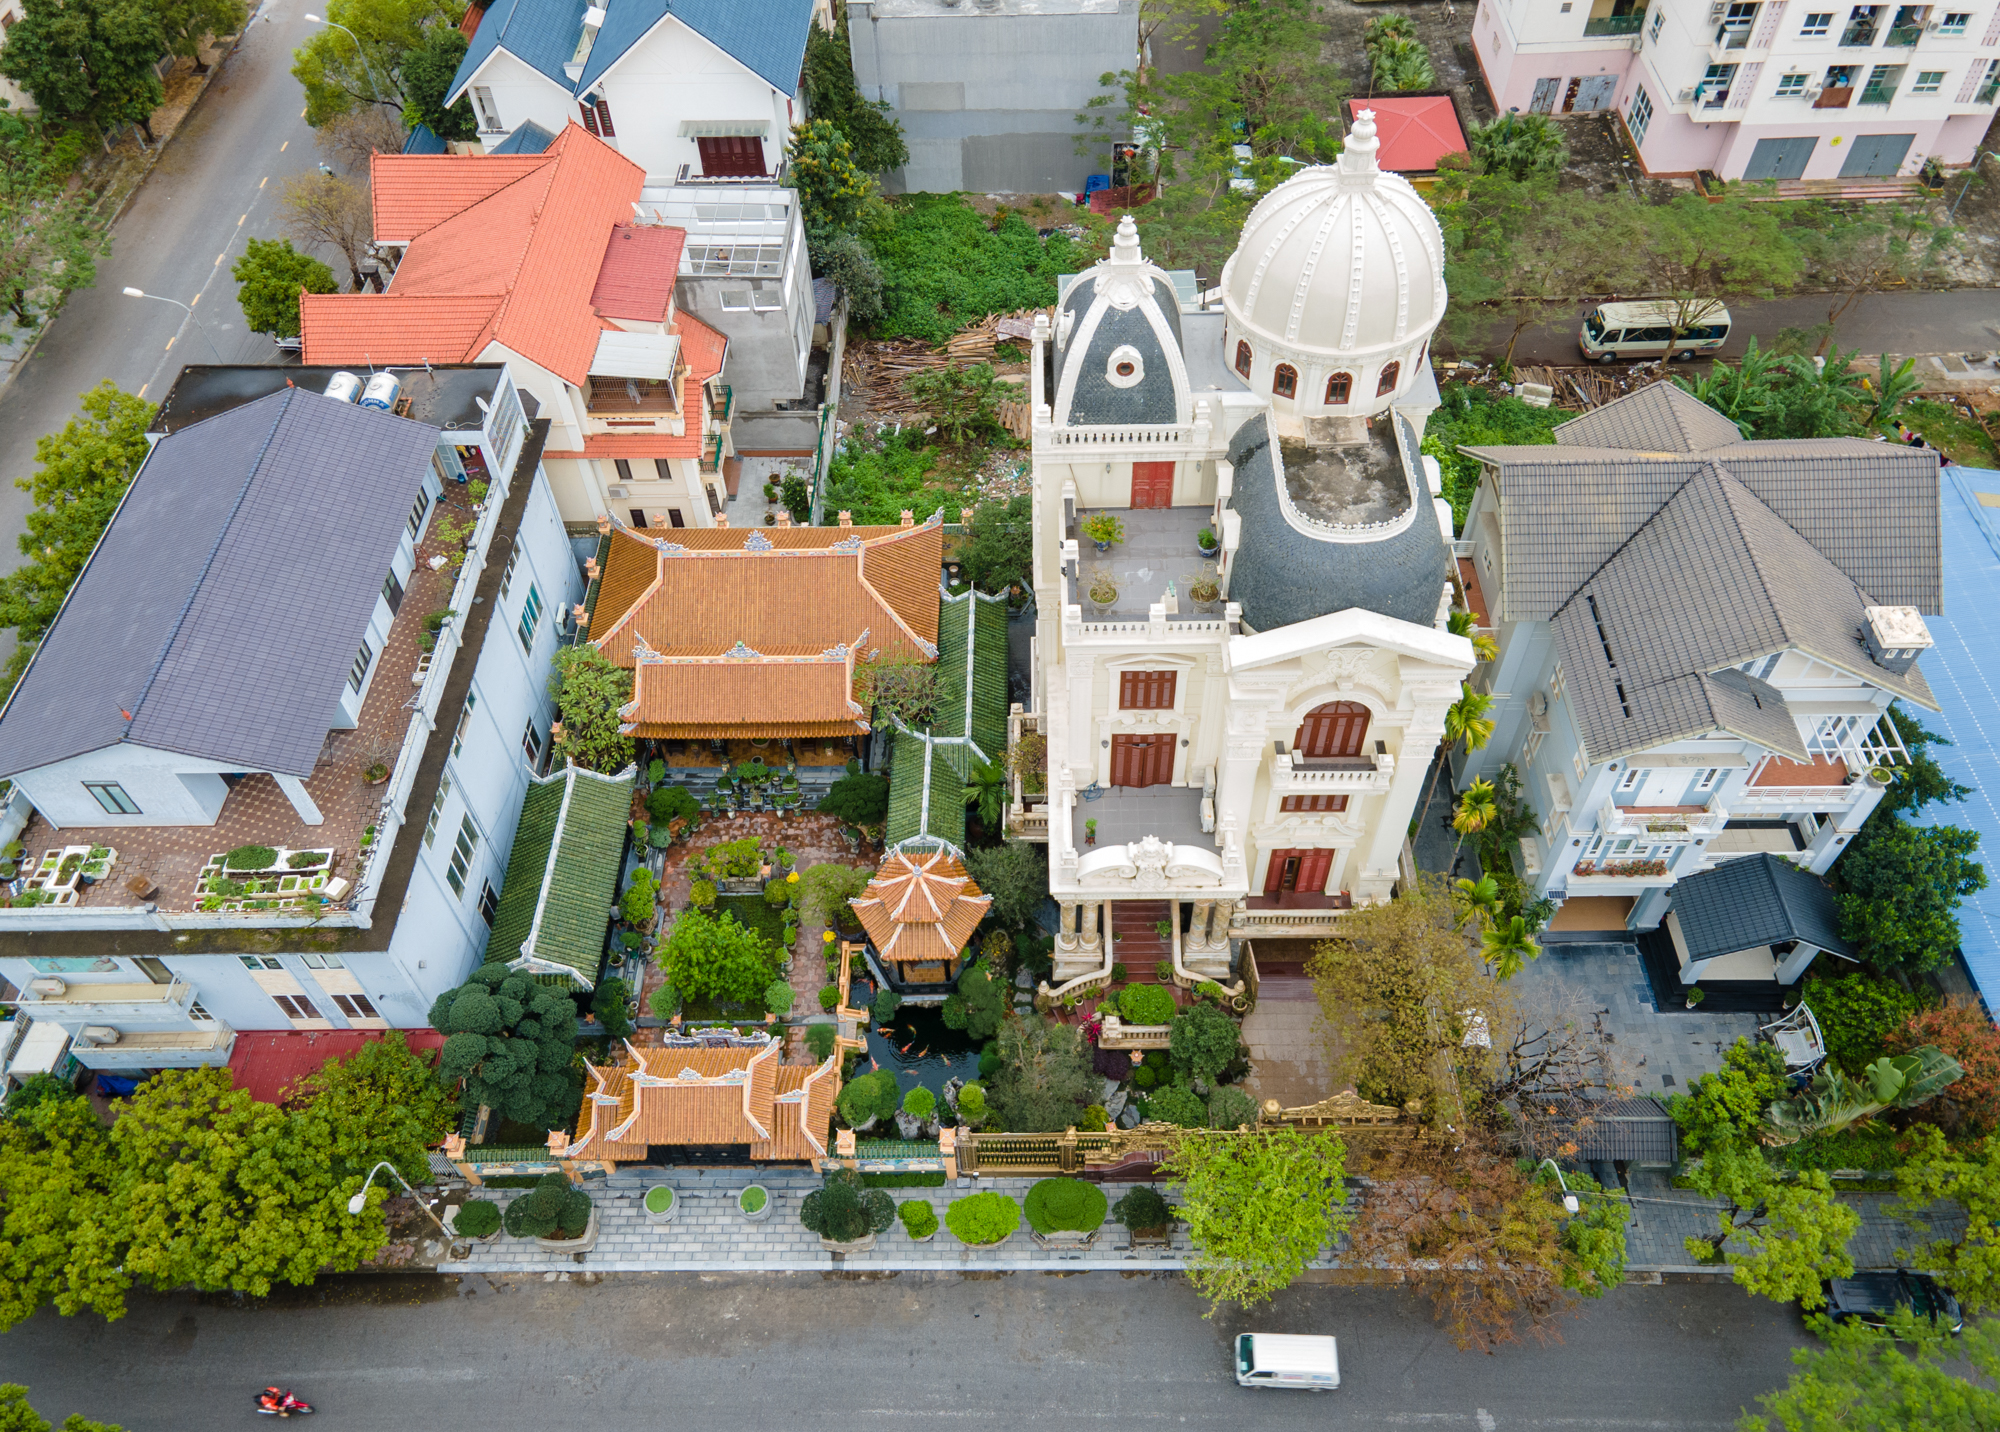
x,y
1191,438
103,1000
1293,776
1661,824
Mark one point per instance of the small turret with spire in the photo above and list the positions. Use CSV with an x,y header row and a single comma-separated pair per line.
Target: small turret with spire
x,y
1357,156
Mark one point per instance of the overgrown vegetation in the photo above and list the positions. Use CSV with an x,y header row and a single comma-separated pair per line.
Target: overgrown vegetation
x,y
588,688
1475,417
944,266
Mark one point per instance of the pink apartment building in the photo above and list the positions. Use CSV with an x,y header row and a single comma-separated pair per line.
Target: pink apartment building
x,y
1783,89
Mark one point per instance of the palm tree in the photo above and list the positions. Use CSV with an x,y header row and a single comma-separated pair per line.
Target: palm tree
x,y
986,790
1464,720
1476,810
1509,946
1477,900
1465,623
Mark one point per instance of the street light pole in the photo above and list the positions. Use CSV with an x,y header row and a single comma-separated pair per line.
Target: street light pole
x,y
1569,1199
359,53
158,298
360,1200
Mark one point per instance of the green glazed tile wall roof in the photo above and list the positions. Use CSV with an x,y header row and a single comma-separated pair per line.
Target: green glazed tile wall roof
x,y
926,795
989,676
562,876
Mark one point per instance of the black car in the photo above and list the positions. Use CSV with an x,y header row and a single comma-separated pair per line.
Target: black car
x,y
1870,1298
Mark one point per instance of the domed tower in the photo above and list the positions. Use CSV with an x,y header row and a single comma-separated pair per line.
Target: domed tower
x,y
1335,288
1118,343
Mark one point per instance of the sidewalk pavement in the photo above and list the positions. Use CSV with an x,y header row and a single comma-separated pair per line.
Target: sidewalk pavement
x,y
1664,1217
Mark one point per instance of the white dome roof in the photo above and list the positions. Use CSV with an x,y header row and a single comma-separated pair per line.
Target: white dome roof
x,y
1339,259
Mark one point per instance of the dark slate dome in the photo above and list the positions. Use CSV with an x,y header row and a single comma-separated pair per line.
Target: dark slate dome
x,y
1283,576
1119,355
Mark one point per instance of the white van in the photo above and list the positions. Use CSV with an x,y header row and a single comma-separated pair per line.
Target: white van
x,y
1612,331
1310,1364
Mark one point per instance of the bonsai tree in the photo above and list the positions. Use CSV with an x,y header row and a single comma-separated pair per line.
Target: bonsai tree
x,y
982,1218
478,1218
1142,1210
840,1210
637,906
508,1043
551,1209
820,1039
778,997
887,1002
858,799
667,803
920,1103
919,1218
972,1102
872,1096
609,1005
980,1003
1065,1205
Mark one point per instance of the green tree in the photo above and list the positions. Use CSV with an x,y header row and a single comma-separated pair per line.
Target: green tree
x,y
998,550
608,1004
1465,723
713,957
1202,1041
381,1102
189,22
1789,1232
1922,782
269,279
1853,251
49,241
1259,1208
1519,147
427,73
1862,1380
509,1039
1968,1175
89,60
1900,887
85,470
963,402
1045,1077
1015,874
1699,255
1171,1104
589,688
858,798
852,267
229,1194
337,76
833,190
872,134
17,1416
1723,1109
62,1224
980,1002
986,792
825,887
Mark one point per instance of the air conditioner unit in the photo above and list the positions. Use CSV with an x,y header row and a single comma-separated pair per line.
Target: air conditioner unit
x,y
617,492
98,1034
1687,95
1717,10
51,988
1934,26
1814,92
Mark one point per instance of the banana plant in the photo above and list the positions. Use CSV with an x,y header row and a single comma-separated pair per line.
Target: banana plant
x,y
1833,1101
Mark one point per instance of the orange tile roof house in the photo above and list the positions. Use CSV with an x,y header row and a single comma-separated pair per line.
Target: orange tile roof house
x,y
736,1098
732,633
546,262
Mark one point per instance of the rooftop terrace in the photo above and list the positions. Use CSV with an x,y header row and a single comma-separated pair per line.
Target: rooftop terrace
x,y
1348,472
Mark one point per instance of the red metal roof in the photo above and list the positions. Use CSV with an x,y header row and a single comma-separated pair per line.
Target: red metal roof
x,y
269,1063
1414,131
636,280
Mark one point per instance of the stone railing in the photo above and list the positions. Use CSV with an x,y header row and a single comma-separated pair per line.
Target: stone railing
x,y
1290,775
1115,1033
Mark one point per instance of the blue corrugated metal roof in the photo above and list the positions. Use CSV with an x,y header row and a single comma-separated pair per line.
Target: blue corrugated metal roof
x,y
1964,672
530,138
768,37
423,140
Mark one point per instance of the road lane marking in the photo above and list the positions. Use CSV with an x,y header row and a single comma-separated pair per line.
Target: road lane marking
x,y
282,147
197,299
170,343
265,180
142,389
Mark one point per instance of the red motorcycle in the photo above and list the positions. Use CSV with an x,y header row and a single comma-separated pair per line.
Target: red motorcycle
x,y
276,1402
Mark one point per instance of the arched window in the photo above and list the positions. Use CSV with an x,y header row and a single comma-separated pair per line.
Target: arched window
x,y
1336,729
1337,388
1388,382
1285,382
1243,357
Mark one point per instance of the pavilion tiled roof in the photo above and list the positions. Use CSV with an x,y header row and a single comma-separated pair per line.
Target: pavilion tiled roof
x,y
921,907
562,876
694,697
708,1097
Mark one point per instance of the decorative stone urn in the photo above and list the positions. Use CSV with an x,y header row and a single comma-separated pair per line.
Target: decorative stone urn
x,y
763,1209
659,1208
859,1245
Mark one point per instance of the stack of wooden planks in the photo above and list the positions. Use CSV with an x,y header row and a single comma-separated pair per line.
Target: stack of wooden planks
x,y
875,372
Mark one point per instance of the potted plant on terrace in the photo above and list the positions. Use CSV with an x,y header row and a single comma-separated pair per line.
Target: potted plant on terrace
x,y
662,1203
1146,1216
1103,529
558,1217
1065,1212
1103,594
983,1220
1205,542
845,1215
920,1220
754,1203
477,1219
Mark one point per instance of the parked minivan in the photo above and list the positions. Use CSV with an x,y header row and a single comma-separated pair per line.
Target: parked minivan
x,y
1612,331
1310,1364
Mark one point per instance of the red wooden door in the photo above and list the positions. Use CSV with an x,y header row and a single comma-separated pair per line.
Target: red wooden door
x,y
1301,872
1142,760
1336,729
732,157
1152,484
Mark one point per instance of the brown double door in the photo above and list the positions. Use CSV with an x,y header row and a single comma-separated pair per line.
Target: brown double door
x,y
1142,760
1152,484
1298,872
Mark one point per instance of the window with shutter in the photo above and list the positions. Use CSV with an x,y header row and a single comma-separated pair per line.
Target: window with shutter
x,y
1146,690
1336,730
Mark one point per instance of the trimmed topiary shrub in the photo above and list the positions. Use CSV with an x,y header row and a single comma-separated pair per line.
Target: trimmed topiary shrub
x,y
1065,1205
920,1103
982,1218
972,1101
1145,1004
829,996
920,1220
820,1039
872,1096
1145,1076
1231,1108
551,1209
778,997
841,1210
1142,1210
1175,1105
887,1002
477,1218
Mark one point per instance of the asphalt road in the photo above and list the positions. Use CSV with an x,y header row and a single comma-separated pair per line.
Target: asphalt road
x,y
808,1351
1956,321
215,185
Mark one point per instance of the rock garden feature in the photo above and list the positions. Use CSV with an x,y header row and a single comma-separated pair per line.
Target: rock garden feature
x,y
844,1214
983,1220
559,1217
1065,1211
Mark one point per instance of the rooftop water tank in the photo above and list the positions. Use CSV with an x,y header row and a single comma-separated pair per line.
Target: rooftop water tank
x,y
382,391
343,387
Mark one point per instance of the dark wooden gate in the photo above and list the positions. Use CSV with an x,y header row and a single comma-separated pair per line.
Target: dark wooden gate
x,y
1142,760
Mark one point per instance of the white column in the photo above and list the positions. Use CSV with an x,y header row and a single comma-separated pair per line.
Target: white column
x,y
1066,927
1406,788
295,792
1794,964
1091,937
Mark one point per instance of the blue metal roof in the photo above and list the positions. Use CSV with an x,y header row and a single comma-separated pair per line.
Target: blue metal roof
x,y
423,140
768,37
1964,668
530,138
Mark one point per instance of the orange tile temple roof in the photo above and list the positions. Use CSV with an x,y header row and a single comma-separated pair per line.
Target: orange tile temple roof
x,y
921,907
708,1097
